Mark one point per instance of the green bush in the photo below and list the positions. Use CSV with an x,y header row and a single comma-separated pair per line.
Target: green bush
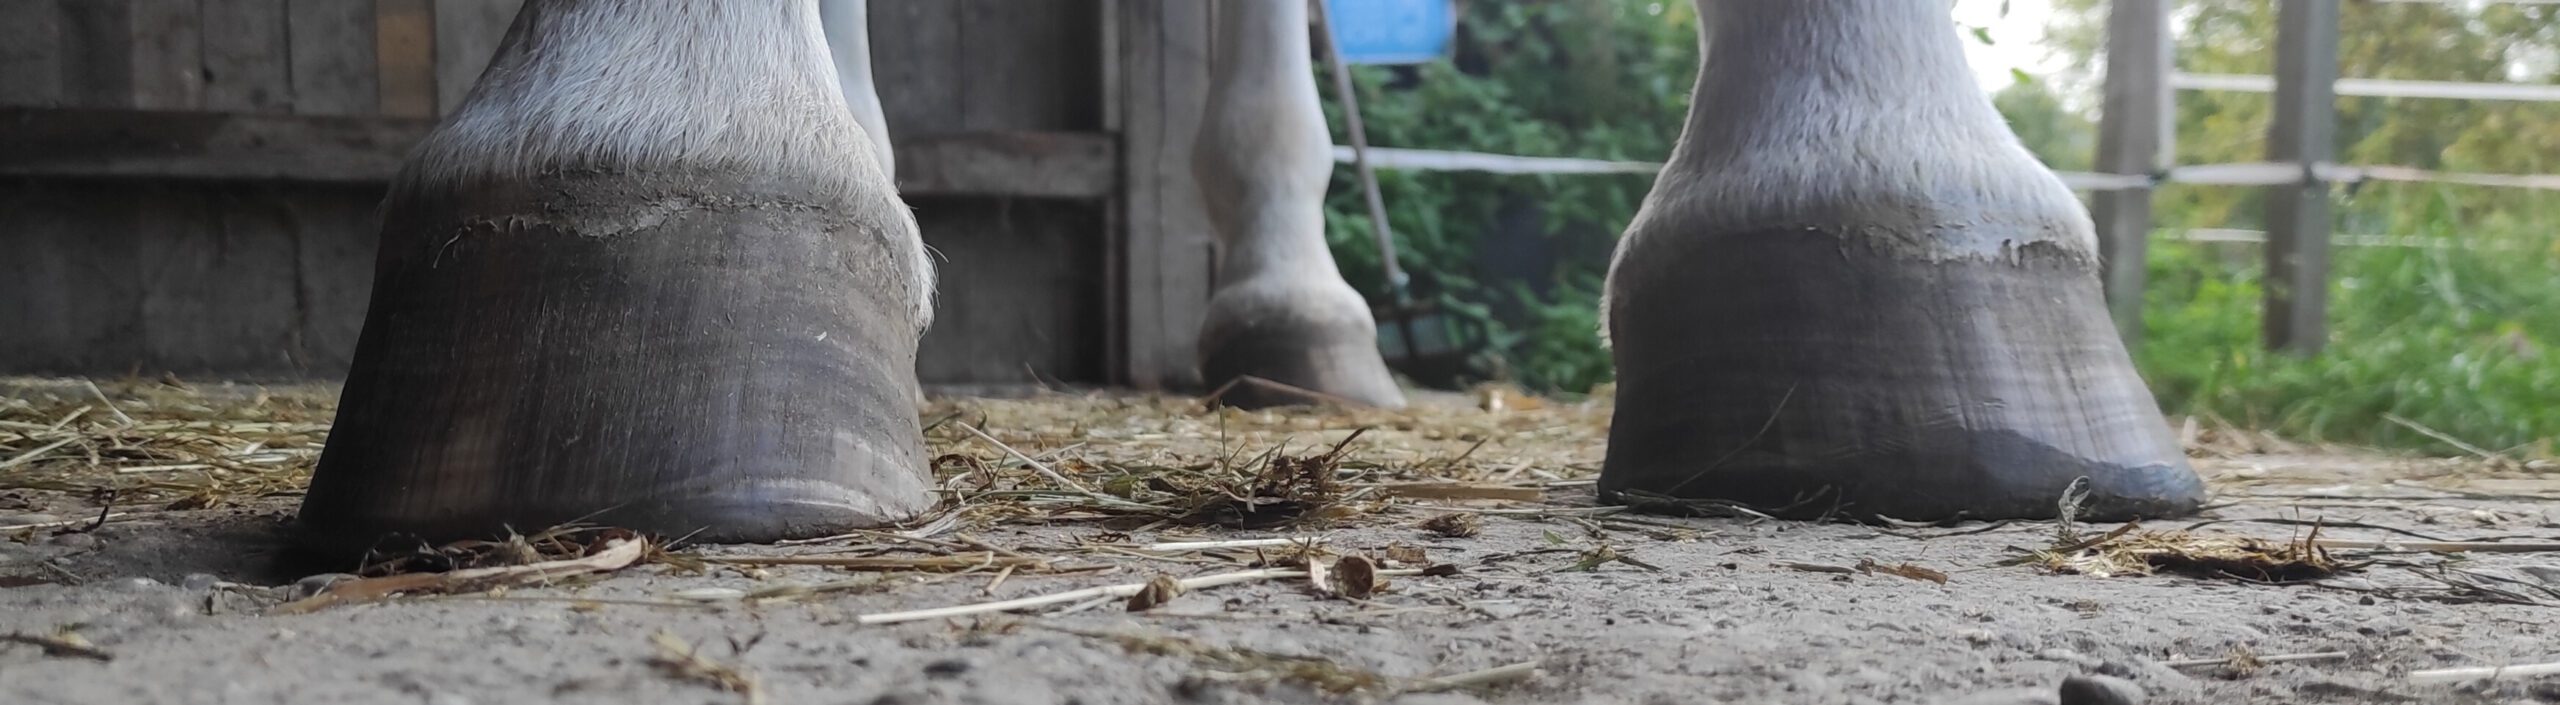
x,y
1531,78
2449,332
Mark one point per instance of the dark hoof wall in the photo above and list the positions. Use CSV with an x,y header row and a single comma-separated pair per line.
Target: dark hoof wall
x,y
1808,375
734,373
1285,363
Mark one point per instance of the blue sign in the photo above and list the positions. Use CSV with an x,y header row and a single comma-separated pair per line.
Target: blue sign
x,y
1392,31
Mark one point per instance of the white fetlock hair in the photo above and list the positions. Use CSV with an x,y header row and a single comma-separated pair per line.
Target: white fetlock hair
x,y
651,85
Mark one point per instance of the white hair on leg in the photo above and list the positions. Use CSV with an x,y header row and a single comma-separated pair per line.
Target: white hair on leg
x,y
658,85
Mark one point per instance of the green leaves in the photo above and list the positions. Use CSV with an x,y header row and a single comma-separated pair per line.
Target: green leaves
x,y
1604,79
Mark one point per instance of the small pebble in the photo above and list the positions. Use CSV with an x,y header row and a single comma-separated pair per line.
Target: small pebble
x,y
946,668
2100,690
199,582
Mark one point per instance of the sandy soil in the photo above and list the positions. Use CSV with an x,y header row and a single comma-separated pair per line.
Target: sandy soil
x,y
1708,610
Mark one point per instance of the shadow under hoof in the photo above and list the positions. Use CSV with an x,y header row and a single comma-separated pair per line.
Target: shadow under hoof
x,y
1806,374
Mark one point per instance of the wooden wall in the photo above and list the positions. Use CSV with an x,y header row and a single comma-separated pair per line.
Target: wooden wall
x,y
187,185
148,267
399,58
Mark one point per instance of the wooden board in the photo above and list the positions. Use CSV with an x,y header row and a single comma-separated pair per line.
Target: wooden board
x,y
214,275
332,55
148,144
97,53
247,67
168,54
232,280
467,35
1028,66
31,53
915,54
65,294
1022,291
405,41
1037,164
1164,244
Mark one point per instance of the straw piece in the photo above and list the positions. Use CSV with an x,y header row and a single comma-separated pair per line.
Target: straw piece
x,y
1105,592
622,554
1036,465
2451,675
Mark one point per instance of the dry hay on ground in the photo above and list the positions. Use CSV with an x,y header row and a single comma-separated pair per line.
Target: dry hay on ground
x,y
1125,463
1161,490
170,445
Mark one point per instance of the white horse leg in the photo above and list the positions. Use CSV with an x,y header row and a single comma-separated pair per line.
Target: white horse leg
x,y
1282,312
848,25
1852,290
648,275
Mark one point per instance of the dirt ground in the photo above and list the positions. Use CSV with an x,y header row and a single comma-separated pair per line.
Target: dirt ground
x,y
174,598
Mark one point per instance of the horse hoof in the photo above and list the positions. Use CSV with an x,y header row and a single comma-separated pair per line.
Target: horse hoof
x,y
1814,373
724,358
1272,354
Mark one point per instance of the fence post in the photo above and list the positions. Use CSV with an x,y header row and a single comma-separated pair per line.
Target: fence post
x,y
2130,128
2297,281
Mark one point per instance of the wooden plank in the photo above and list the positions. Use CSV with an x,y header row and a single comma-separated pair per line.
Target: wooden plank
x,y
332,56
31,53
168,54
1038,164
66,295
1164,78
2129,143
915,55
247,63
334,236
1024,293
467,35
233,280
150,144
97,53
2298,217
405,52
1115,348
1028,66
216,276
